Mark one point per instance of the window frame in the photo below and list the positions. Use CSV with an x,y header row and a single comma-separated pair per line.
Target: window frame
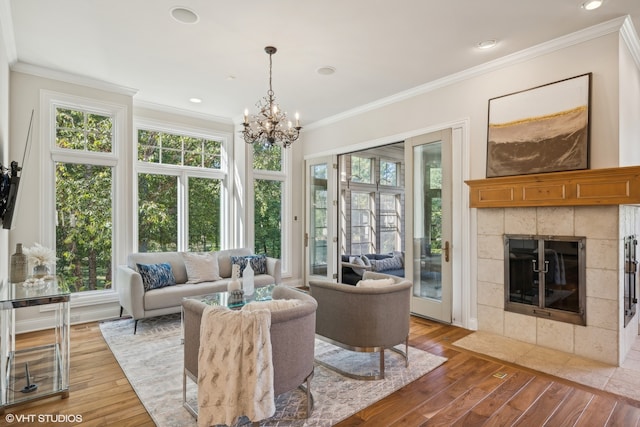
x,y
183,173
50,101
373,221
285,178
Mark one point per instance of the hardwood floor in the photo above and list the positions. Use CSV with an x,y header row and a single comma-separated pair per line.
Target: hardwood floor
x,y
468,390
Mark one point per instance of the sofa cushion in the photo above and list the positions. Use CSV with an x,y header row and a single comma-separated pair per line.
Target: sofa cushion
x,y
201,267
224,259
375,283
173,258
155,276
258,263
360,260
273,305
392,263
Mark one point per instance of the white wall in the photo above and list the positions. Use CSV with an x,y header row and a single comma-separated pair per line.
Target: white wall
x,y
26,90
629,107
5,154
467,99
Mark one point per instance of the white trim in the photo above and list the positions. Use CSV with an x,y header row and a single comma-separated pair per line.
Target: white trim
x,y
183,173
390,139
630,37
108,311
48,73
49,101
8,32
137,103
176,127
550,46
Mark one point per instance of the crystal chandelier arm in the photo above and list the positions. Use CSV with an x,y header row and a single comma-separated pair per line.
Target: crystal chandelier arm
x,y
270,125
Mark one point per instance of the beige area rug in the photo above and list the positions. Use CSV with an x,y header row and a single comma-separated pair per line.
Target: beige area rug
x,y
152,360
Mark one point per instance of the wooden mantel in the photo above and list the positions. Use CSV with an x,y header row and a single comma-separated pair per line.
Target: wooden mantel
x,y
592,187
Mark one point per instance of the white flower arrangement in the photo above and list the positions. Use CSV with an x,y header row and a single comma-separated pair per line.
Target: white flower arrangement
x,y
40,255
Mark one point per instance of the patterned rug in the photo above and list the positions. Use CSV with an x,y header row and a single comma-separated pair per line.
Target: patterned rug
x,y
152,362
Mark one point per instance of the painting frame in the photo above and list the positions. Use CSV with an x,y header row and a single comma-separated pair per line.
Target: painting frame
x,y
540,130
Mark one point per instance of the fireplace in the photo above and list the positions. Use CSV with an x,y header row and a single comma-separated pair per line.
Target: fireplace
x,y
602,206
545,276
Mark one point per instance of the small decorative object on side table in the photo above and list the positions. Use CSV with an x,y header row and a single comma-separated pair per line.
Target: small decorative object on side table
x,y
41,258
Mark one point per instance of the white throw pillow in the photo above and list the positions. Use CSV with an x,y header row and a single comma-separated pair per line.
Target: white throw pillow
x,y
201,267
360,260
273,305
375,283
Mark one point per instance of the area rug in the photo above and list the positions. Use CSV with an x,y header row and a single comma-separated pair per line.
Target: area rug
x,y
152,360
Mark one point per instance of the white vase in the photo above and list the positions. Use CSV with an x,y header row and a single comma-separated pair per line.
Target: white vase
x,y
247,280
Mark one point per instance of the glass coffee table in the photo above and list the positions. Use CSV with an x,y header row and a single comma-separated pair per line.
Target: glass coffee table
x,y
224,298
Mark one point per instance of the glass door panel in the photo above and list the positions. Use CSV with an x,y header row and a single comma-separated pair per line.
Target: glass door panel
x,y
429,183
320,235
427,236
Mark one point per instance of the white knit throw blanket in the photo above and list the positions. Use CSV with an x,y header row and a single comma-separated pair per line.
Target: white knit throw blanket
x,y
235,370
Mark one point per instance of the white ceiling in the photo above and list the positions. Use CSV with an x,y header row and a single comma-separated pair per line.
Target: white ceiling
x,y
378,47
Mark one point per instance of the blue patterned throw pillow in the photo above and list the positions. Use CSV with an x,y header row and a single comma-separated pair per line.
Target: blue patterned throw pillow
x,y
258,263
155,276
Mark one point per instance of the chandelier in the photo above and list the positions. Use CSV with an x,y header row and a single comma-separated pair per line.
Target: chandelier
x,y
270,126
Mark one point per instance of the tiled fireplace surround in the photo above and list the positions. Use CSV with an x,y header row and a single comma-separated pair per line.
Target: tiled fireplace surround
x,y
604,338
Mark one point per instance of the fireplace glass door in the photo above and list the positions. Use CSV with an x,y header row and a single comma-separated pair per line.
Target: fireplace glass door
x,y
545,277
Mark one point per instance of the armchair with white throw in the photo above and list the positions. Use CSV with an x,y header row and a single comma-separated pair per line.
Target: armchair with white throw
x,y
364,318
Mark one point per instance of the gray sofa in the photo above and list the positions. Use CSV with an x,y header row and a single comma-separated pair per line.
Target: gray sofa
x,y
140,304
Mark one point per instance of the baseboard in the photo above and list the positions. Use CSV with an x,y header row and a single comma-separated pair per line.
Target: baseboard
x,y
46,322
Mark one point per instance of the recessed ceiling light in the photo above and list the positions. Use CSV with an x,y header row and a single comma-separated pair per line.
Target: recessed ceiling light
x,y
592,4
325,71
184,15
487,44
231,77
195,100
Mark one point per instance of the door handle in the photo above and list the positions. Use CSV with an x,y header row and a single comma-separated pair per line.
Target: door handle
x,y
446,251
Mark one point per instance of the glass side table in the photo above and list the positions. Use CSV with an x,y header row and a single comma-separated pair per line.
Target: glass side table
x,y
35,372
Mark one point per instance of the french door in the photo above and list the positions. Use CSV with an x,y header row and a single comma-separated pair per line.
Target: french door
x,y
320,231
428,160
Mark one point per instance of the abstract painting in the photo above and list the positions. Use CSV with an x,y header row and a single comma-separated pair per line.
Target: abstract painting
x,y
538,130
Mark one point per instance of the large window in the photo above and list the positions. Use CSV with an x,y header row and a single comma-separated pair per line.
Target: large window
x,y
362,222
83,166
361,169
390,238
181,181
268,199
372,200
389,173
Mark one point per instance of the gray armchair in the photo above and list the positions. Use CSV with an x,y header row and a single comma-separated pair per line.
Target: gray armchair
x,y
292,341
364,319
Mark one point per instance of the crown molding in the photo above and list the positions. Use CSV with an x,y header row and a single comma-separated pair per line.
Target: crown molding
x,y
182,112
6,22
48,73
599,30
630,37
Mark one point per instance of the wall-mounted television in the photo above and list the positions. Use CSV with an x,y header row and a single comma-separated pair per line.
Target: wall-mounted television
x,y
9,183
